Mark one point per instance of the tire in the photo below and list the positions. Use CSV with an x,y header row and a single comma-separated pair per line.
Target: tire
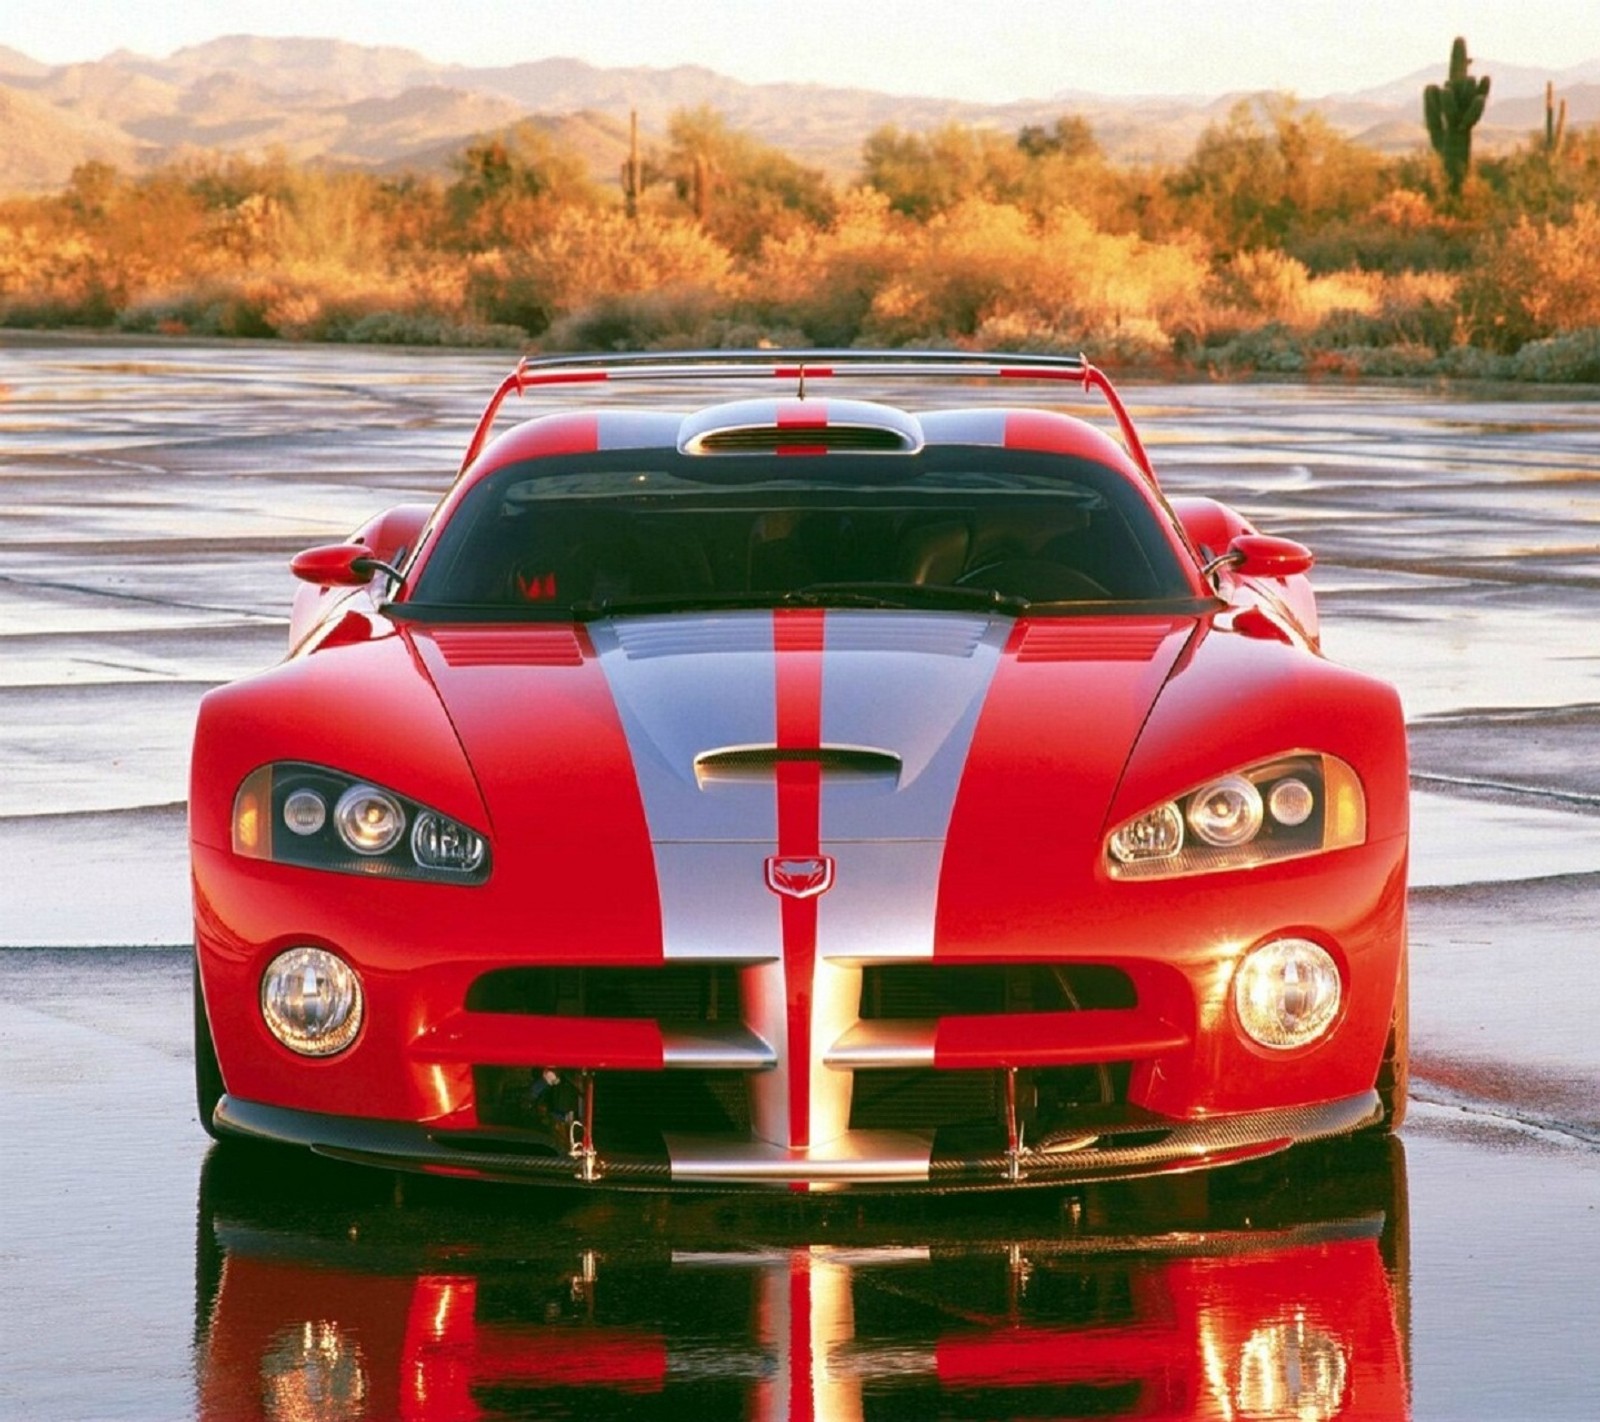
x,y
208,1086
1394,1072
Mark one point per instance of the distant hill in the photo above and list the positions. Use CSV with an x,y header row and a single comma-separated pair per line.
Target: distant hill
x,y
389,108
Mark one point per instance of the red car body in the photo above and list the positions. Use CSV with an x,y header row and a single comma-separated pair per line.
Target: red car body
x,y
792,880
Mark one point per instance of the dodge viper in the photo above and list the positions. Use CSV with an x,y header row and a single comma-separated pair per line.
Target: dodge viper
x,y
807,785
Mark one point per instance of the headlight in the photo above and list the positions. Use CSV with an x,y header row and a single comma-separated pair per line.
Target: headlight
x,y
323,819
369,820
311,1001
1280,809
1286,993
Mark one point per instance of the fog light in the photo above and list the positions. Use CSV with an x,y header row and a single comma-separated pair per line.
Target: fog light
x,y
313,1373
311,1001
1286,993
1292,1369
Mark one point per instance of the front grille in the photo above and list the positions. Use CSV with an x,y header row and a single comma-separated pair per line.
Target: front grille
x,y
923,990
631,1109
967,1108
671,993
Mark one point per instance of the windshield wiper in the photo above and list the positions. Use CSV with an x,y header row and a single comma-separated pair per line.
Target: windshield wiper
x,y
897,594
840,594
587,609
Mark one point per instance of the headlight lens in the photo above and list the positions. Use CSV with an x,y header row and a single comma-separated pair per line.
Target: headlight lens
x,y
1226,812
311,1001
1286,993
369,820
1280,809
439,843
1157,835
294,813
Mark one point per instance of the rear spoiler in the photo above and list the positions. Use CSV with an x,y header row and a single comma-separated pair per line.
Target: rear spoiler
x,y
801,367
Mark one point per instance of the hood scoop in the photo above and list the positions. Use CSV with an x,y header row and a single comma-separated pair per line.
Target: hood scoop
x,y
745,765
800,426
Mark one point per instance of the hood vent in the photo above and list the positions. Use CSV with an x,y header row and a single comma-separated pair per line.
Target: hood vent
x,y
745,765
1093,642
508,647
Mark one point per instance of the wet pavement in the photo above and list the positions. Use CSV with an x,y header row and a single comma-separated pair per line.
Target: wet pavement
x,y
149,496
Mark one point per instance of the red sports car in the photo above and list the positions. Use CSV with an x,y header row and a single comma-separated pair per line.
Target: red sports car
x,y
802,791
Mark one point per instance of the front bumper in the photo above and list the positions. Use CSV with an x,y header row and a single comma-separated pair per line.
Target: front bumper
x,y
1137,1144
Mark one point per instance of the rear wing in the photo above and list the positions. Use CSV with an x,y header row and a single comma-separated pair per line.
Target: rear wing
x,y
801,367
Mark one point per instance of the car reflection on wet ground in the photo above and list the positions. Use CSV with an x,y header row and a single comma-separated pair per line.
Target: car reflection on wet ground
x,y
149,498
1269,1294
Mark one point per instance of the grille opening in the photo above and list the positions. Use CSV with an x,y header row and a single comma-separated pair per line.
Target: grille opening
x,y
922,990
966,1109
673,993
631,1109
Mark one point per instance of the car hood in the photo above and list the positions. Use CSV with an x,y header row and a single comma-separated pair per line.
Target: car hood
x,y
710,717
721,758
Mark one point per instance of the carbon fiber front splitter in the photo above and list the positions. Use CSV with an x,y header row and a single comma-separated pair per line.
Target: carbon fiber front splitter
x,y
894,1161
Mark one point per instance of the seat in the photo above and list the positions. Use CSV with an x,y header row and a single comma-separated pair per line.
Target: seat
x,y
934,553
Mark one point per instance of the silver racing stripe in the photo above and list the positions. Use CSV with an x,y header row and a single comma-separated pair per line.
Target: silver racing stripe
x,y
910,684
907,687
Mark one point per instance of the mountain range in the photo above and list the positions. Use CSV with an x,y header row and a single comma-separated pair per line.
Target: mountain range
x,y
390,109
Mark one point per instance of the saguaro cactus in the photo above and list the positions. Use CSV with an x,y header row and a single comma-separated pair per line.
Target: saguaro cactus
x,y
632,168
1555,121
1451,109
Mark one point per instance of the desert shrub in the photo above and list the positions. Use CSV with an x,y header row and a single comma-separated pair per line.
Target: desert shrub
x,y
1409,310
1057,281
823,282
1536,280
588,255
676,318
1271,349
1572,358
1263,286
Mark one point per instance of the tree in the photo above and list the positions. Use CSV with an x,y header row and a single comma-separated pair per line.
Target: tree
x,y
509,186
741,191
924,175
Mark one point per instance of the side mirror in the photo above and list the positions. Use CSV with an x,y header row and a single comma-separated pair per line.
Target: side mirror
x,y
1258,555
337,565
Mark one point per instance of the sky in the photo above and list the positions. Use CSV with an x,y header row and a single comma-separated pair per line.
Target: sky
x,y
988,51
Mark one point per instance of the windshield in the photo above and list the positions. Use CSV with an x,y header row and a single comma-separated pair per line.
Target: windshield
x,y
594,534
